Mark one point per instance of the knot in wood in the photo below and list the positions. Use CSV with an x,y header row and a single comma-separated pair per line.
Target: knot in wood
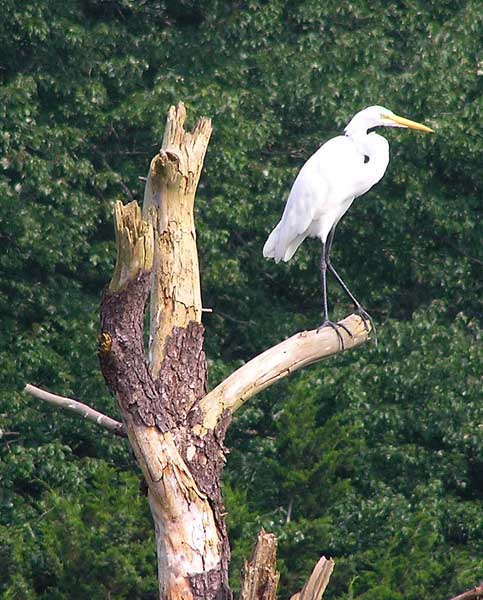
x,y
166,166
104,342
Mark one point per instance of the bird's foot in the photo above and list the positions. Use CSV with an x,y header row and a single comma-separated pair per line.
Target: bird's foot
x,y
335,327
367,319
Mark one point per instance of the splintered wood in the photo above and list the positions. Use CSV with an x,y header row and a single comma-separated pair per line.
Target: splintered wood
x,y
260,575
317,583
168,202
134,240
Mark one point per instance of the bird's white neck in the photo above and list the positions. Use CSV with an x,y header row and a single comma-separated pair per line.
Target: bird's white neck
x,y
361,139
375,148
357,126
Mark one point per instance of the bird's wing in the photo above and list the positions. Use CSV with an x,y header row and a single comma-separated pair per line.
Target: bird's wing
x,y
305,205
324,189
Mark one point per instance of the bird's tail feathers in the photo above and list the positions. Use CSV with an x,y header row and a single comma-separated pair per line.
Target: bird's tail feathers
x,y
276,246
292,247
269,250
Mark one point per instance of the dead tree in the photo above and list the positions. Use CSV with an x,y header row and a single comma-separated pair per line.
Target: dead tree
x,y
174,426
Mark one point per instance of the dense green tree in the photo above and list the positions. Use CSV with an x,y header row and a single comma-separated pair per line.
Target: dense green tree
x,y
374,458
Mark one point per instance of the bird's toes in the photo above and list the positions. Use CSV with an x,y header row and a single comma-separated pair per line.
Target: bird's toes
x,y
335,327
367,320
342,326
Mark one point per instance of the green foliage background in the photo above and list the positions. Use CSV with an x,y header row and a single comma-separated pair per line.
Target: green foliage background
x,y
375,457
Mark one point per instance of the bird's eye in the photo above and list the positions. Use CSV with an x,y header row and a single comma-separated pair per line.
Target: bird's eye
x,y
366,159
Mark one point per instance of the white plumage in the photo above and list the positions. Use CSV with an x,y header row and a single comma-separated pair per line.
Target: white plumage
x,y
324,189
344,168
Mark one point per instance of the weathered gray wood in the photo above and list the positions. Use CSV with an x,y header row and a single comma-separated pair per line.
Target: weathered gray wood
x,y
79,408
301,350
168,203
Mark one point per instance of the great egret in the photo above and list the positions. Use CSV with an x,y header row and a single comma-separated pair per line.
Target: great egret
x,y
344,168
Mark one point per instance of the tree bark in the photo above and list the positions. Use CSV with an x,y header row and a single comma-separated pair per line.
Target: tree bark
x,y
260,575
158,255
175,429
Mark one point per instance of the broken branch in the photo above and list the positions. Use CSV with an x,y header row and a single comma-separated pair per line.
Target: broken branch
x,y
299,351
260,575
319,579
79,408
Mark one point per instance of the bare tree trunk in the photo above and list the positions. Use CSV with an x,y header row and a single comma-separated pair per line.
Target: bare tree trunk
x,y
157,397
175,428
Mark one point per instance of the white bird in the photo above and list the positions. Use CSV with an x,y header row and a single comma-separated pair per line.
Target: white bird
x,y
342,169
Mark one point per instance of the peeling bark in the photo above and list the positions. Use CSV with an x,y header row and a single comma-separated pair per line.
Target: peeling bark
x,y
157,396
182,471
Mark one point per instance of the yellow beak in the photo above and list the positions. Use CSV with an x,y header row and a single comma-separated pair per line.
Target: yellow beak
x,y
401,121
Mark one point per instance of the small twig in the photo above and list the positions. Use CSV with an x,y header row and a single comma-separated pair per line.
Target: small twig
x,y
78,407
289,511
475,594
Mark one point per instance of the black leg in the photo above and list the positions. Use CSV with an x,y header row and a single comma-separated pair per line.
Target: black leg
x,y
366,317
323,274
326,321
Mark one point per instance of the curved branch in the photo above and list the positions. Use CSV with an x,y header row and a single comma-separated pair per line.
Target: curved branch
x,y
299,351
78,407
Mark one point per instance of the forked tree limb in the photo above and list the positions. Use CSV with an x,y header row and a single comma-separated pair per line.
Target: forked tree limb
x,y
79,408
299,351
176,430
156,394
475,594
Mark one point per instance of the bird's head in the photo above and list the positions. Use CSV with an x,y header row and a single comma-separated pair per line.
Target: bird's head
x,y
378,116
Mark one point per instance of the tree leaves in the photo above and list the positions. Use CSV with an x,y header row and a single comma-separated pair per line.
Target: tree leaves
x,y
373,457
